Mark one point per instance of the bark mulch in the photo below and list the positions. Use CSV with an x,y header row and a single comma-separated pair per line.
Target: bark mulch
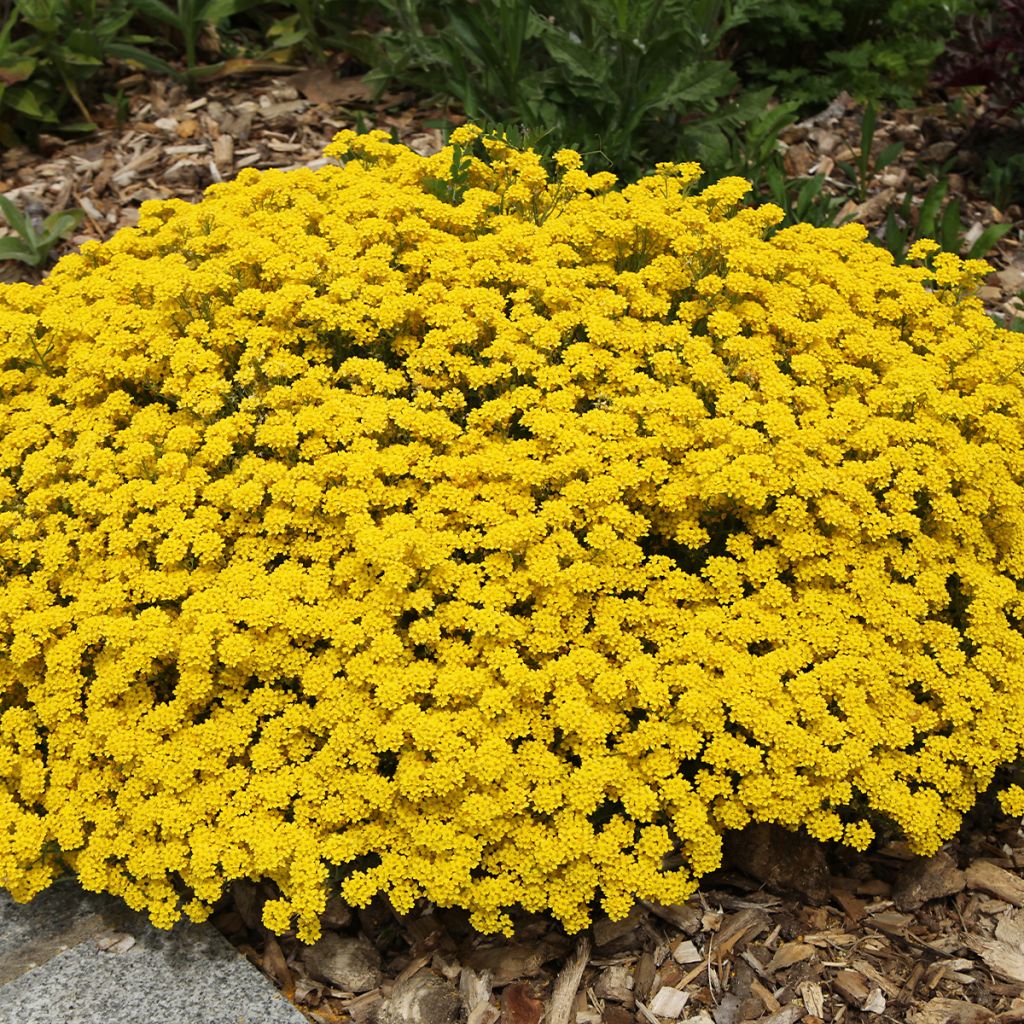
x,y
789,930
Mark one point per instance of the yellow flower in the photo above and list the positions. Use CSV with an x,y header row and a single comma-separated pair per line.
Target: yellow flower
x,y
490,550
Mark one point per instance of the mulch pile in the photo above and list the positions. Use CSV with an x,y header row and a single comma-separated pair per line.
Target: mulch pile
x,y
790,930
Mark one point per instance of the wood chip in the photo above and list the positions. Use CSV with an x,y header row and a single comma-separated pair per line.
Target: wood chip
x,y
686,953
669,1002
567,983
788,954
852,987
950,1011
1004,954
814,1000
984,876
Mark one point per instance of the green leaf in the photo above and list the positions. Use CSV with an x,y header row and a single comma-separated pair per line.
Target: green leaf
x,y
887,155
75,57
16,69
577,59
62,223
77,127
26,100
848,169
709,81
15,218
950,227
133,54
15,249
158,12
987,239
219,10
930,208
895,237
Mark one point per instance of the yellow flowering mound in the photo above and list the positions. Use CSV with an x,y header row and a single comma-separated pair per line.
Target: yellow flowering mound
x,y
498,540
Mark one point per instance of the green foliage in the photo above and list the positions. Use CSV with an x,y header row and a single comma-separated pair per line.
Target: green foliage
x,y
187,19
865,168
636,80
120,104
49,50
1003,178
810,50
803,202
30,246
906,224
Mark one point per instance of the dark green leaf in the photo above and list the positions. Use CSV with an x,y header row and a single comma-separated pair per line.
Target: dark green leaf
x,y
987,239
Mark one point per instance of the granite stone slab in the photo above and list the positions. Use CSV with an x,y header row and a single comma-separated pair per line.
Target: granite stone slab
x,y
75,957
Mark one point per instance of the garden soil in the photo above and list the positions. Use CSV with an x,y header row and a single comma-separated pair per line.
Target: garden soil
x,y
789,930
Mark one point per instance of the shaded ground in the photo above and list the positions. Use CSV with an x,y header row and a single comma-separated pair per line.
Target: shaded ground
x,y
784,934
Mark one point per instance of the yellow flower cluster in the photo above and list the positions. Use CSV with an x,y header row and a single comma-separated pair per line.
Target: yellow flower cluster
x,y
489,549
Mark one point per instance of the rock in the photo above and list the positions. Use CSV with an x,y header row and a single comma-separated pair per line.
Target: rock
x,y
984,876
423,998
337,914
782,860
75,957
950,1011
931,878
347,962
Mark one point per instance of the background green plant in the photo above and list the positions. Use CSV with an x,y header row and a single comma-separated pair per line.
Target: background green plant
x,y
50,49
906,224
810,50
630,81
863,170
186,20
633,81
30,245
802,200
627,82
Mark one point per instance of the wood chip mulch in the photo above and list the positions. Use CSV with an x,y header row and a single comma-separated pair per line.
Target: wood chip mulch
x,y
790,930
